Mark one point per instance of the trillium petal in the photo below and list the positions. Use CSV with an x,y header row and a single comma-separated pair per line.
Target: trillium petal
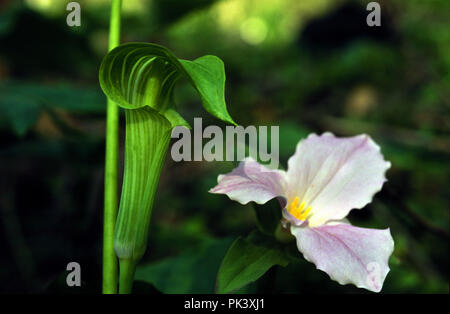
x,y
346,253
251,181
334,175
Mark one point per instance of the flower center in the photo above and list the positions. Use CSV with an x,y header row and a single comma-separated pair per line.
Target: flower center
x,y
300,212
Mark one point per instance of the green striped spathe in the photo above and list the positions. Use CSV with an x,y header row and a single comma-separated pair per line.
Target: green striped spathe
x,y
146,143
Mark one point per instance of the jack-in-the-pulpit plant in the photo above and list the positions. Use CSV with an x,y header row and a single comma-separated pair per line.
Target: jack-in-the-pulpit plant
x,y
140,77
326,178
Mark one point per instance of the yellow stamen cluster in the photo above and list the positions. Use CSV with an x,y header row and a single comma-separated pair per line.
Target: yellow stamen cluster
x,y
299,211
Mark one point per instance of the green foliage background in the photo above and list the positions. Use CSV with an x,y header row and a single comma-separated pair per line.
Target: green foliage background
x,y
307,66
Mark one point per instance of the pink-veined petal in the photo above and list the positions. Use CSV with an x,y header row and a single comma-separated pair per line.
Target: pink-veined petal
x,y
251,181
335,175
346,253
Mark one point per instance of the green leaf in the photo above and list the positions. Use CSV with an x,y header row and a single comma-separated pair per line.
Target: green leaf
x,y
247,260
134,75
20,112
22,102
191,272
207,75
64,96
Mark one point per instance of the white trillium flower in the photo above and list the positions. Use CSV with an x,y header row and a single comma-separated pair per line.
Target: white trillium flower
x,y
326,178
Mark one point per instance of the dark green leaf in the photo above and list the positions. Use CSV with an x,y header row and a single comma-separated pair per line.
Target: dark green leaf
x,y
246,261
22,103
74,99
21,112
191,272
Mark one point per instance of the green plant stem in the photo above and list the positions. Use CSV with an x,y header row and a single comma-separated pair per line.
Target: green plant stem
x,y
127,269
111,166
283,235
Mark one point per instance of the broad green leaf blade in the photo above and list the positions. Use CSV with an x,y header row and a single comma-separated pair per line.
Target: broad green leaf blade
x,y
246,261
135,75
207,75
190,272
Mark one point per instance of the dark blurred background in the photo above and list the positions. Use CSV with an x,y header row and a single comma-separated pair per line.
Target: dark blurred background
x,y
307,66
